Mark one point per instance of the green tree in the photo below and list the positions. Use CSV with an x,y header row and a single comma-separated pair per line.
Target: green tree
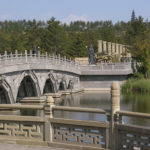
x,y
142,54
133,17
78,47
55,37
137,29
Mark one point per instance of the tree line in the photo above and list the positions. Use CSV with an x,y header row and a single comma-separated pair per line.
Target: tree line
x,y
73,40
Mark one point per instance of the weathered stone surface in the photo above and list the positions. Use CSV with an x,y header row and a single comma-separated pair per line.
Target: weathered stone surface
x,y
104,46
11,146
109,47
100,48
33,76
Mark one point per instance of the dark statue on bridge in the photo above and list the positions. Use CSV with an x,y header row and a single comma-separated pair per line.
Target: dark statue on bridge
x,y
91,57
35,52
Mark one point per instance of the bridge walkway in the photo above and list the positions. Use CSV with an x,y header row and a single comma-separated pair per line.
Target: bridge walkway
x,y
13,146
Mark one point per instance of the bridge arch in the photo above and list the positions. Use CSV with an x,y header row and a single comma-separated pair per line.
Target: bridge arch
x,y
62,85
70,84
28,86
50,85
6,94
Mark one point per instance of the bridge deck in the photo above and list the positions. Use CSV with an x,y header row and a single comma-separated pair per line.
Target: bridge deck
x,y
12,146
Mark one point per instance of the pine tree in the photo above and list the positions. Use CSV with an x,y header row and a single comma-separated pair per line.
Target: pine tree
x,y
133,17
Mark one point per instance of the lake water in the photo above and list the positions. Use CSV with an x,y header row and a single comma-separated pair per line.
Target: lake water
x,y
130,102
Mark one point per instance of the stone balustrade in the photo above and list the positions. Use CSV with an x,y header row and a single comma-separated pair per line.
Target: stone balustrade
x,y
109,68
37,60
45,61
28,56
60,132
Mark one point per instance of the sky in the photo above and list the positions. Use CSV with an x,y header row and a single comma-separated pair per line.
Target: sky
x,y
73,10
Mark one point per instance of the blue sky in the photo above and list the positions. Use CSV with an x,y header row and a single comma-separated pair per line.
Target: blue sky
x,y
72,10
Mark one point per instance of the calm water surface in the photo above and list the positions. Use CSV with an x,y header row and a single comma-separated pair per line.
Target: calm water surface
x,y
130,102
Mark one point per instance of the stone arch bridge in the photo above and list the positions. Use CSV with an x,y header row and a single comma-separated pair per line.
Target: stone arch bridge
x,y
30,75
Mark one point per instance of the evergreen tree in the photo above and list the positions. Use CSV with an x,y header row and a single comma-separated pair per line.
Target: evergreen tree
x,y
78,47
133,17
55,37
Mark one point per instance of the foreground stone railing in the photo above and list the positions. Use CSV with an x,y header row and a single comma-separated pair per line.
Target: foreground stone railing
x,y
54,131
48,130
132,137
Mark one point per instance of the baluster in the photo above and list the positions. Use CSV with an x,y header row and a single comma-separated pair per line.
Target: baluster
x,y
30,53
5,55
48,109
11,57
115,106
50,59
26,55
56,59
46,56
65,61
59,59
16,53
21,54
53,58
0,58
70,62
39,54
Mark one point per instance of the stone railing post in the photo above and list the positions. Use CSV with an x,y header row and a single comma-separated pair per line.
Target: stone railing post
x,y
115,106
59,58
30,53
0,58
39,54
48,114
65,61
5,54
11,57
46,56
26,55
70,62
16,54
21,55
56,59
53,59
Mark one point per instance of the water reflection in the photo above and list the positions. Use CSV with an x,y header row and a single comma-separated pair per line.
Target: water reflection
x,y
88,100
130,102
136,103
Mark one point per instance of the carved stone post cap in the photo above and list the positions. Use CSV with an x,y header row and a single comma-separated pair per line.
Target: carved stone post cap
x,y
115,85
50,100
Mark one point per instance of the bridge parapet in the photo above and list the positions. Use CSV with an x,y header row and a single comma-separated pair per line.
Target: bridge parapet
x,y
109,69
43,60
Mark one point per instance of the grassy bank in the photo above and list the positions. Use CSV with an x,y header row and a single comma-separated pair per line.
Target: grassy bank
x,y
136,86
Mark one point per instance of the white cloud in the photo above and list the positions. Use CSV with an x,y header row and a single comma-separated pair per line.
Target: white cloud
x,y
73,17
